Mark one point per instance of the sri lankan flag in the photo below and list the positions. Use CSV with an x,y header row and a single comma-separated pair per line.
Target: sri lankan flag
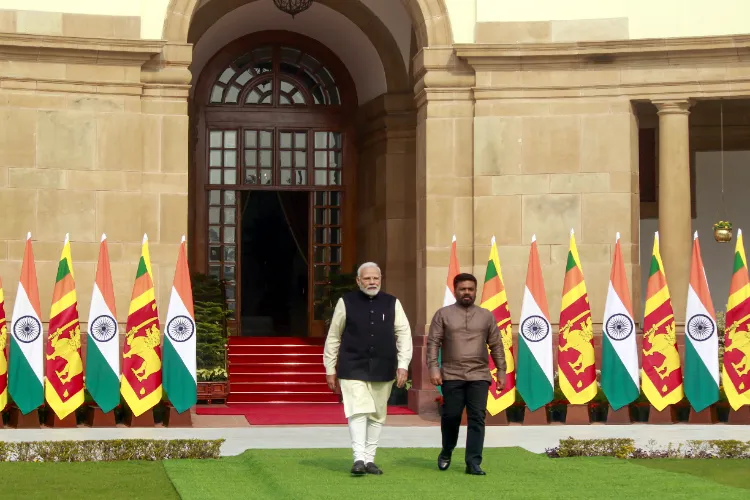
x,y
494,299
141,365
736,371
63,386
575,356
661,375
3,359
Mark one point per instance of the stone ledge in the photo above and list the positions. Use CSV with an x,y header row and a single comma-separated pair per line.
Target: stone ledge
x,y
527,55
62,49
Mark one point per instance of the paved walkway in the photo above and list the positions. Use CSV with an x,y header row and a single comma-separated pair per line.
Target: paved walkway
x,y
534,439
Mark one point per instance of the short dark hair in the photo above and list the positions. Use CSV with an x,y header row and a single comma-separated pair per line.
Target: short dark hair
x,y
463,277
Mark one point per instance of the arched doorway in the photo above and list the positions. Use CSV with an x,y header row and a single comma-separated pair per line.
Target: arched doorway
x,y
274,181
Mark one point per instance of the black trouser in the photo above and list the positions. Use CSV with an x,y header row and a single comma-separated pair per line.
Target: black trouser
x,y
472,395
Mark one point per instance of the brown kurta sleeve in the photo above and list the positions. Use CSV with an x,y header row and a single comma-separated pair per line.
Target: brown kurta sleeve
x,y
495,341
435,339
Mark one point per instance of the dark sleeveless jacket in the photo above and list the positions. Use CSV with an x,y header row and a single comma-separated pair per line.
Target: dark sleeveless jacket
x,y
368,344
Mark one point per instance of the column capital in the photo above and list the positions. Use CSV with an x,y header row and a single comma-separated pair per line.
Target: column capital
x,y
673,106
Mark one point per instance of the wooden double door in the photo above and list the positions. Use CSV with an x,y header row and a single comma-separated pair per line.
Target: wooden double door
x,y
273,190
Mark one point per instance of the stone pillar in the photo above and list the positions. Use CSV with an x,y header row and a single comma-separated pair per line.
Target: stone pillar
x,y
675,222
386,183
444,194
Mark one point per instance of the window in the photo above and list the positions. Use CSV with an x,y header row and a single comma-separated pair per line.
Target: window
x,y
275,76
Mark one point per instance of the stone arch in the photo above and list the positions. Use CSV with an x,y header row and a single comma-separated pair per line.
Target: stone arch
x,y
429,18
389,53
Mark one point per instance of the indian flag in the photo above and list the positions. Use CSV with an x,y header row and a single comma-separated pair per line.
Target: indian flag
x,y
180,382
26,374
453,271
103,352
141,366
575,357
620,370
736,370
64,383
702,341
661,375
3,359
535,376
450,297
494,299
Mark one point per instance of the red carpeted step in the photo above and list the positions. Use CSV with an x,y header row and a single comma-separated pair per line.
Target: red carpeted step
x,y
316,350
291,377
275,358
279,386
282,397
239,368
302,341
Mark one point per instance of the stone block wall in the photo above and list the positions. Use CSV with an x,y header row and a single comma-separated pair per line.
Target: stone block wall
x,y
87,148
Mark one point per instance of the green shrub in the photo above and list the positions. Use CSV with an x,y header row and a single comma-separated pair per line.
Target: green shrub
x,y
210,321
109,450
625,448
618,448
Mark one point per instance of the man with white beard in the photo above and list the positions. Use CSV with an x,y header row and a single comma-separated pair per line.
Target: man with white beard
x,y
368,347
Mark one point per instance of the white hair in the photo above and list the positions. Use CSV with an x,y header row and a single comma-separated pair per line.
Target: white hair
x,y
368,265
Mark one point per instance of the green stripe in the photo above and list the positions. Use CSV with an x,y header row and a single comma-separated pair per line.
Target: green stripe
x,y
531,381
102,383
617,383
571,262
142,269
62,269
654,266
24,386
700,387
178,382
738,264
491,271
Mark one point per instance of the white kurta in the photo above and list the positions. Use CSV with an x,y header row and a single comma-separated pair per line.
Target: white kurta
x,y
360,397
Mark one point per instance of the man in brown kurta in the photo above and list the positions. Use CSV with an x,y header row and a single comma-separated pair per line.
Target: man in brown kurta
x,y
464,331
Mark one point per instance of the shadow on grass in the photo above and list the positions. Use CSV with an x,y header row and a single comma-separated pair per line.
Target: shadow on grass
x,y
330,464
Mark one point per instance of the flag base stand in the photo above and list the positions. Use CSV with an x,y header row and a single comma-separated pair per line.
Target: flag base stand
x,y
619,417
20,421
739,417
146,419
660,417
577,415
53,421
175,419
95,417
496,420
536,417
705,416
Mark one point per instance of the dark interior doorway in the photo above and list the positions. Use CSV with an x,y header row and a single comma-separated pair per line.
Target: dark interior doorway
x,y
274,263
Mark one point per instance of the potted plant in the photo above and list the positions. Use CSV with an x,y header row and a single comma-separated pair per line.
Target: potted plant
x,y
723,231
212,384
557,409
338,284
599,406
211,325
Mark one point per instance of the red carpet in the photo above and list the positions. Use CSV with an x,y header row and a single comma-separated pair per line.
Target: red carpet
x,y
290,413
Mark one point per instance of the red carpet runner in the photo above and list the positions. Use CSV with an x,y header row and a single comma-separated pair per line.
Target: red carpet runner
x,y
290,413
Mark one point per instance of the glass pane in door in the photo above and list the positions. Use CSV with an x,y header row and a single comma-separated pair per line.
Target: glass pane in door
x,y
327,253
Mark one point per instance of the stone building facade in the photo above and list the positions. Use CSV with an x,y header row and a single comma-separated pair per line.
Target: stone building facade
x,y
466,117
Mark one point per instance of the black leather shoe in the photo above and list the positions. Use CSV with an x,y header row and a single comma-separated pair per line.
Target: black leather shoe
x,y
358,469
475,470
443,462
371,468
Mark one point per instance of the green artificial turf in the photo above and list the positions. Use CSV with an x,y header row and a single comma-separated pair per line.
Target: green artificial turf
x,y
409,474
78,481
412,474
730,472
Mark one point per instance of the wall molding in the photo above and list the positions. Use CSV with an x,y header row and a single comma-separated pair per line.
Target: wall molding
x,y
44,48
